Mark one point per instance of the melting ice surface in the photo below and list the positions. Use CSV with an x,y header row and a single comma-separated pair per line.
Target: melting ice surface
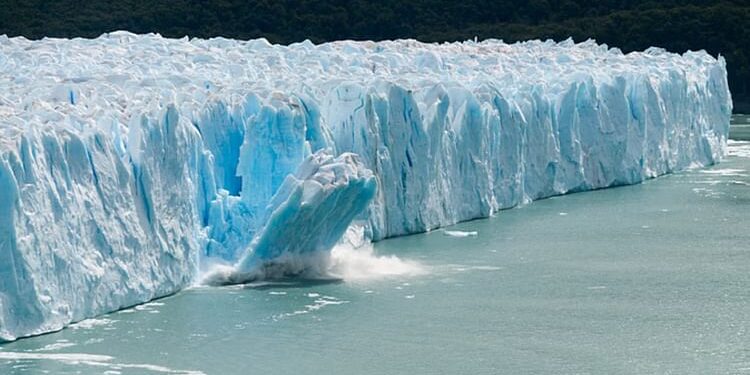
x,y
132,165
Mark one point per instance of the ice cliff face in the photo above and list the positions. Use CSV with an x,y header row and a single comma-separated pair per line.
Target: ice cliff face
x,y
129,162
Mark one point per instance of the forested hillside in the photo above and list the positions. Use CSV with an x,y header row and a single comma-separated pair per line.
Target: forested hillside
x,y
717,26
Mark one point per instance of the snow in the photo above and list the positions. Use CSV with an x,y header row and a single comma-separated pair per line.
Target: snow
x,y
128,163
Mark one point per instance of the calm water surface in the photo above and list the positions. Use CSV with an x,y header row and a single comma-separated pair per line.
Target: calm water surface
x,y
646,279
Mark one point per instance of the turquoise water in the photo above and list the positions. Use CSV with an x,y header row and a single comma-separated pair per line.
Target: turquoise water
x,y
646,279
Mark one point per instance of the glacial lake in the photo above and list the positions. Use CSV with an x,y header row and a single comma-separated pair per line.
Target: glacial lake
x,y
645,279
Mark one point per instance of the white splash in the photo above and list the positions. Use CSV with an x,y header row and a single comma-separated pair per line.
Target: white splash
x,y
361,263
352,259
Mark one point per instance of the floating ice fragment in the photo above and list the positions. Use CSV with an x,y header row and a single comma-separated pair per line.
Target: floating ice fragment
x,y
460,234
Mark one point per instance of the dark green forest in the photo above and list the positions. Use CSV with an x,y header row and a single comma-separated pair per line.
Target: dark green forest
x,y
720,27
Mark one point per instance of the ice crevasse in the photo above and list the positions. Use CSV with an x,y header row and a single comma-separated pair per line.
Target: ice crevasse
x,y
128,162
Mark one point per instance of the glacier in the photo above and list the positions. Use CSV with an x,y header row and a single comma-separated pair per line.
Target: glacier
x,y
130,164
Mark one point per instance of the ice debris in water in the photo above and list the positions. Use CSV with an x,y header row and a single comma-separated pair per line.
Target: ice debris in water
x,y
130,162
460,233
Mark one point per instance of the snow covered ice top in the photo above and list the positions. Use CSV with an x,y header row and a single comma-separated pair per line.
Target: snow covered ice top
x,y
121,74
129,162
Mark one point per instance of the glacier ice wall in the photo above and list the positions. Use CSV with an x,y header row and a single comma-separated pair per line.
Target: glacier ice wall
x,y
128,162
